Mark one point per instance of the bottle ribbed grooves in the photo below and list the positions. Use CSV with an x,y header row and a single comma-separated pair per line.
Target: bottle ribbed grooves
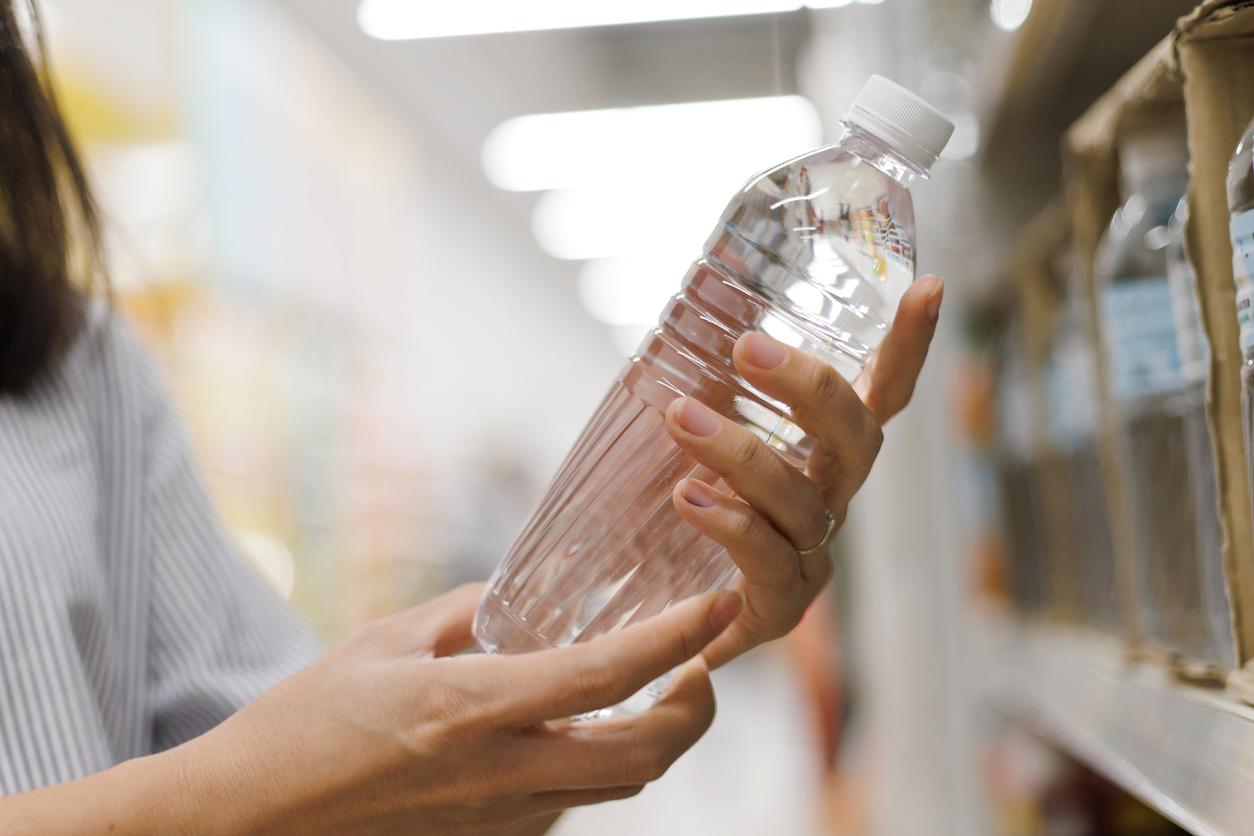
x,y
816,328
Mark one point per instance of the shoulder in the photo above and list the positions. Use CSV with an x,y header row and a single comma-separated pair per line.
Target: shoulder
x,y
110,369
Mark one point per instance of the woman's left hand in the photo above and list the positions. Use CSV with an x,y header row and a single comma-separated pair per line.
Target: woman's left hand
x,y
777,524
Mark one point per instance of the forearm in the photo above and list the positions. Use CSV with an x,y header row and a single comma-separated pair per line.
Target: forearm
x,y
192,788
140,796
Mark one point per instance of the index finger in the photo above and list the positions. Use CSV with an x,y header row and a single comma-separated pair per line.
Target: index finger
x,y
887,382
579,678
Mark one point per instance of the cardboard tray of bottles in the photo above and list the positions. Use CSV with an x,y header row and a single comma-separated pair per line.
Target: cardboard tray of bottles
x,y
1203,75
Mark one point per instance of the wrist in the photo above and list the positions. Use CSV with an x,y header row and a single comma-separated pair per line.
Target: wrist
x,y
192,788
212,794
160,794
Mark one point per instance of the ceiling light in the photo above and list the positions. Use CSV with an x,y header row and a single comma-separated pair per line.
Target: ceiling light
x,y
397,20
1010,14
836,4
561,150
601,223
392,20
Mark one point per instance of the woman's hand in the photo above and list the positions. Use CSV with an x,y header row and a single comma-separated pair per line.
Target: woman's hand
x,y
389,734
776,525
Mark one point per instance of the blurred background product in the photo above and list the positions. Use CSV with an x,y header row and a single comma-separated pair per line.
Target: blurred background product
x,y
1071,394
1158,377
389,252
1020,465
1215,616
1241,206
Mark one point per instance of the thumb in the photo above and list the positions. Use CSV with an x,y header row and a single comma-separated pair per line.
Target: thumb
x,y
440,627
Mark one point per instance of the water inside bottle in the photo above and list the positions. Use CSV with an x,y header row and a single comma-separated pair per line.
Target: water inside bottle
x,y
816,252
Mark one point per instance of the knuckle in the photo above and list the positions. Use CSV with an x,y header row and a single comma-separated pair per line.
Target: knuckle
x,y
745,450
873,432
458,711
815,526
378,635
596,683
781,575
650,762
743,526
703,710
826,387
679,645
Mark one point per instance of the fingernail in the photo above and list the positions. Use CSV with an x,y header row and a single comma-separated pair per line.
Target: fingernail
x,y
725,609
934,300
697,418
696,493
762,351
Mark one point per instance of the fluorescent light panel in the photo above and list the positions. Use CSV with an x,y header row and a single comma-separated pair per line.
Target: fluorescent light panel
x,y
578,224
396,20
624,145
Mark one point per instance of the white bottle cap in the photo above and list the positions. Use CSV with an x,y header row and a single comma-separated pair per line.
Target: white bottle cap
x,y
909,125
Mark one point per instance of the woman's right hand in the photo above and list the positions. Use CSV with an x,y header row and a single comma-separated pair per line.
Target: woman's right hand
x,y
388,733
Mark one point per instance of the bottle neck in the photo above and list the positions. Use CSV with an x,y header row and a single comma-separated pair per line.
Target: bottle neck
x,y
878,153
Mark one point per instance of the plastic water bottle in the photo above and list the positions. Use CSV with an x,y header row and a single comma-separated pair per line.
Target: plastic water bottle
x,y
1194,350
815,252
1071,398
1019,476
1241,206
1161,411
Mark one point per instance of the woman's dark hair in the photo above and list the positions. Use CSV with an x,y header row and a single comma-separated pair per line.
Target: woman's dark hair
x,y
49,229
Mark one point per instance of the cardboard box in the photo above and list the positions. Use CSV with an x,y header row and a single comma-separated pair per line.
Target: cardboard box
x,y
1202,73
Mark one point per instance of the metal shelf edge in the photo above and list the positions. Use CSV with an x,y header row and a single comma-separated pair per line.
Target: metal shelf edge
x,y
1185,750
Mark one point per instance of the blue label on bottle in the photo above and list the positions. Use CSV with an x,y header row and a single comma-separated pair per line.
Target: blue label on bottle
x,y
1243,274
1141,339
1070,390
1191,337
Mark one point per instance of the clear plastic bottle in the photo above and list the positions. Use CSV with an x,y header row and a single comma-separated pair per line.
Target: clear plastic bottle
x,y
1071,429
1194,350
1160,414
1019,471
1241,206
815,252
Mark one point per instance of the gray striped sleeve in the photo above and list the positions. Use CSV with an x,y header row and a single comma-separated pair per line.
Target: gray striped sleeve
x,y
218,636
128,624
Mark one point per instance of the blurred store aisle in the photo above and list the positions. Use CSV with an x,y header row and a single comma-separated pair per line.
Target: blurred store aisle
x,y
755,772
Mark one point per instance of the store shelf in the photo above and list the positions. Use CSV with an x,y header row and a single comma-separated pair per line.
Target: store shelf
x,y
1185,750
1065,55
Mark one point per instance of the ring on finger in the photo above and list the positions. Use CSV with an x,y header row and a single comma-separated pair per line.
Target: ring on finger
x,y
827,535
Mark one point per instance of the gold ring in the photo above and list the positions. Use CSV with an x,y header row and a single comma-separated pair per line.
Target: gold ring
x,y
827,535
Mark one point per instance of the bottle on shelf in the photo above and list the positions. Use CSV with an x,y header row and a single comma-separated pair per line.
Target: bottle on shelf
x,y
1194,350
1019,477
1241,219
1160,406
815,252
1070,389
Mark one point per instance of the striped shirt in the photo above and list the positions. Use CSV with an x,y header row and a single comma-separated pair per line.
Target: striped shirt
x,y
127,622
